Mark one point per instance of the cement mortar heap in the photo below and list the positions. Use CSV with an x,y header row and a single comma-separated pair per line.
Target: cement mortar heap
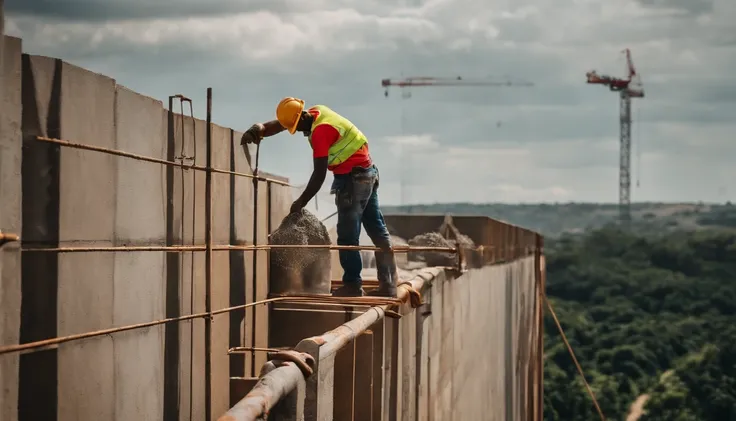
x,y
296,270
431,258
447,236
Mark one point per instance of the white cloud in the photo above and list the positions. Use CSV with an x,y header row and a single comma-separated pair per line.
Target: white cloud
x,y
555,141
424,141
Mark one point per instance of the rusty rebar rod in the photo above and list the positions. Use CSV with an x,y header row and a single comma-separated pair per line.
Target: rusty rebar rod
x,y
56,341
112,249
208,264
8,238
329,300
300,299
395,249
254,289
138,157
231,247
254,247
248,349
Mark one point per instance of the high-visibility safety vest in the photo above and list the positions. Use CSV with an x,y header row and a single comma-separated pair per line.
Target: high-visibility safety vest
x,y
350,141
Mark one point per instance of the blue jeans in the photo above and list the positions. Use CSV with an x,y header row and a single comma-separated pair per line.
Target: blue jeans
x,y
356,197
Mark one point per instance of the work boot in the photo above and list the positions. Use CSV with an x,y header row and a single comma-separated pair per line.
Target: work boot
x,y
386,284
349,290
384,290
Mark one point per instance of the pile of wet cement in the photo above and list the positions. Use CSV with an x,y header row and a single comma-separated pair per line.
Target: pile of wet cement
x,y
432,258
296,270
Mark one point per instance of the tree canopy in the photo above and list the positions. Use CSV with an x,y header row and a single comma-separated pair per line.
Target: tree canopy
x,y
648,317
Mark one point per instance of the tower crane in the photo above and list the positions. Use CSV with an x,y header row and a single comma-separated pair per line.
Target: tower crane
x,y
425,81
628,88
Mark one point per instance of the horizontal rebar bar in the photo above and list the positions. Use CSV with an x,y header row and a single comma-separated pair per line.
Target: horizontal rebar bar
x,y
232,247
111,249
8,238
138,157
248,349
55,341
312,299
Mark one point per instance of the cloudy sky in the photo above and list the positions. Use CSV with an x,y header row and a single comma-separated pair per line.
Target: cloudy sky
x,y
556,141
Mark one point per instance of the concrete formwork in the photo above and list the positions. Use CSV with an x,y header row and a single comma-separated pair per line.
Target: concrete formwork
x,y
10,215
83,198
85,283
471,351
139,278
501,241
241,262
475,347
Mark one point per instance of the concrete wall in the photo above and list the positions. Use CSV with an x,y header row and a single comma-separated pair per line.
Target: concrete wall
x,y
472,351
476,349
78,198
10,215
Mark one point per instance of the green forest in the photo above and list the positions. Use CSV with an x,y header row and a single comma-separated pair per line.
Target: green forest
x,y
652,320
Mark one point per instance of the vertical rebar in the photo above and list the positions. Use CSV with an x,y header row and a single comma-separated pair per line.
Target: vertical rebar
x,y
172,356
208,265
255,263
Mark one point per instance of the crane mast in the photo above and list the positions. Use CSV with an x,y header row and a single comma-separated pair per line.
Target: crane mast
x,y
628,88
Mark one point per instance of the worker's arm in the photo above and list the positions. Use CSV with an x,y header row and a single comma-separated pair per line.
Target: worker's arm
x,y
271,128
319,173
258,131
322,138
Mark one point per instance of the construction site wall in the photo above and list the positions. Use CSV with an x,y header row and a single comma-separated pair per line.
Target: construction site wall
x,y
472,350
477,347
478,340
81,198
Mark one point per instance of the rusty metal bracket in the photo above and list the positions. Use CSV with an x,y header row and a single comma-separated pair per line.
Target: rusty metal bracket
x,y
8,238
304,361
187,161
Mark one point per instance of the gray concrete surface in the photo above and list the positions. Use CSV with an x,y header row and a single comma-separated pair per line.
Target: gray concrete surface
x,y
475,347
10,216
86,293
84,198
469,352
139,278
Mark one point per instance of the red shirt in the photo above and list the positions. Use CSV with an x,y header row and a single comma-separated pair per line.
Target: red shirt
x,y
325,136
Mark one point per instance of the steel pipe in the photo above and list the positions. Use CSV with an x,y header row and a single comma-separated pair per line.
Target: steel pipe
x,y
270,389
337,338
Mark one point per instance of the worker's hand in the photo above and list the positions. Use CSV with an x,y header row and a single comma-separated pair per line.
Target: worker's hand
x,y
253,135
296,206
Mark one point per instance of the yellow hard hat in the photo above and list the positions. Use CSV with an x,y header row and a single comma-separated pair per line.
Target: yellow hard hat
x,y
288,113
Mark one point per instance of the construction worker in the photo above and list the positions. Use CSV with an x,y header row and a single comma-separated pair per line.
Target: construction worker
x,y
337,145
